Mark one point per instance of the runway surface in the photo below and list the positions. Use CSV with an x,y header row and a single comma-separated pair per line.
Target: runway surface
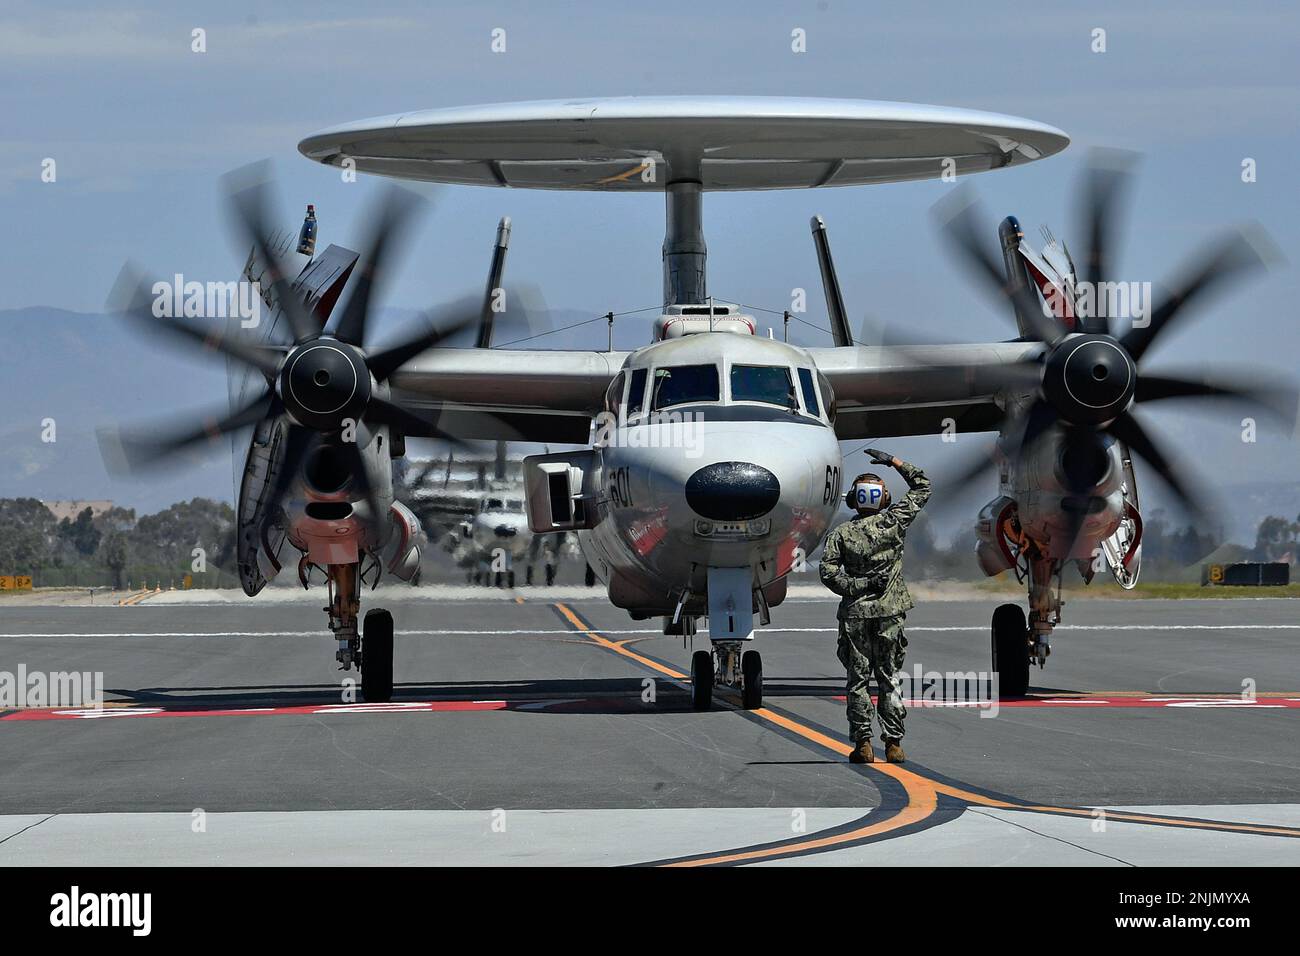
x,y
555,730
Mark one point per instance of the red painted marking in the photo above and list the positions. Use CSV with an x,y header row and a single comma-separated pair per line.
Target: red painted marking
x,y
396,707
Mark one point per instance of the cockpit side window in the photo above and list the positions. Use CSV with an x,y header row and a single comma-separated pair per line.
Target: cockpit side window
x,y
828,396
636,393
769,384
809,392
614,394
683,384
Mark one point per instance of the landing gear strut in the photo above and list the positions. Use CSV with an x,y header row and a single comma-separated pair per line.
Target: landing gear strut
x,y
374,655
345,603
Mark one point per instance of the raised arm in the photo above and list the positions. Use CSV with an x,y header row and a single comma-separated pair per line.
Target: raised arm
x,y
905,511
917,495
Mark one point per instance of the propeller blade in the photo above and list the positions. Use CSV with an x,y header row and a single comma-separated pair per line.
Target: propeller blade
x,y
1074,517
1023,431
132,295
970,470
1237,253
1020,433
248,204
356,463
298,442
385,363
1276,399
392,217
1107,180
1130,431
127,453
959,222
408,422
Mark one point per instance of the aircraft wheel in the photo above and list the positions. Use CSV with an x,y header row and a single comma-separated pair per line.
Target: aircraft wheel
x,y
751,672
590,577
1011,650
510,580
377,657
702,680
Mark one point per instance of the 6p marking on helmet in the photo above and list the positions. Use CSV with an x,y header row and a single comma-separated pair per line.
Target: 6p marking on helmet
x,y
868,494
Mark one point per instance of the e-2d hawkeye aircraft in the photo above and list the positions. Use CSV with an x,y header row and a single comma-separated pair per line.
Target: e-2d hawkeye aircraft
x,y
722,465
482,521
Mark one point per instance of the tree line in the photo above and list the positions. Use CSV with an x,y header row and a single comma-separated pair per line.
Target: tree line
x,y
117,548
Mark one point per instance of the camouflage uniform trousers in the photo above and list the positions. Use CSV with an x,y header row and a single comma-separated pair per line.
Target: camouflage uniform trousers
x,y
874,647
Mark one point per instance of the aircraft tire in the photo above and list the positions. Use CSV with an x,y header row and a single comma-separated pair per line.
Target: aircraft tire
x,y
377,657
1011,650
751,672
702,680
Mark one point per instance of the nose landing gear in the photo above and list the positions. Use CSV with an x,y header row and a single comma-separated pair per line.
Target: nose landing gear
x,y
737,670
702,680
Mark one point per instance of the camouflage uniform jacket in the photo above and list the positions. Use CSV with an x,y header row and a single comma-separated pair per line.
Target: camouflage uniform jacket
x,y
863,558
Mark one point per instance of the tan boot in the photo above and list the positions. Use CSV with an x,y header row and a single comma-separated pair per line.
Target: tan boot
x,y
894,752
862,753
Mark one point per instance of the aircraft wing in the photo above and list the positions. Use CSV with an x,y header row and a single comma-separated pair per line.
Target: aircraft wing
x,y
888,391
516,395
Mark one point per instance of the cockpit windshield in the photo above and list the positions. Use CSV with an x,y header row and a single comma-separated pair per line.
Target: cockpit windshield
x,y
683,384
769,384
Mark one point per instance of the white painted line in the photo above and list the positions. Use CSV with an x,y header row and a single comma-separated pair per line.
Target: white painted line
x,y
464,632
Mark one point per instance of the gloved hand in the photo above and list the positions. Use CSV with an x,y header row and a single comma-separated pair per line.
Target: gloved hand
x,y
879,457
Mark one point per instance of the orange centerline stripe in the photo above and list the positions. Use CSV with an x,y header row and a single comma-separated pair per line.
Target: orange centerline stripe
x,y
922,796
614,646
922,793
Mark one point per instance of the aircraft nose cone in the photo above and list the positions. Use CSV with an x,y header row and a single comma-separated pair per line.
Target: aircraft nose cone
x,y
732,491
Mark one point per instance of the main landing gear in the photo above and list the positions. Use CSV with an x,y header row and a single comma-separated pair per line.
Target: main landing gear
x,y
371,650
1011,650
734,669
1019,641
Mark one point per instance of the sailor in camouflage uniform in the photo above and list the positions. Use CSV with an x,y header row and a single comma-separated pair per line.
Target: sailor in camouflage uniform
x,y
863,563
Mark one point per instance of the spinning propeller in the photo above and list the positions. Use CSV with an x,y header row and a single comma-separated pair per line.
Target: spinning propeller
x,y
1090,381
323,384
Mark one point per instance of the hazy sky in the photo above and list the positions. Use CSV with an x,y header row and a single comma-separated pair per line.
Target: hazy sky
x,y
141,128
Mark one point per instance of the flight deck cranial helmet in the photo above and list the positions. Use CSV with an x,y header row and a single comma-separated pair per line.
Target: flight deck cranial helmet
x,y
867,495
